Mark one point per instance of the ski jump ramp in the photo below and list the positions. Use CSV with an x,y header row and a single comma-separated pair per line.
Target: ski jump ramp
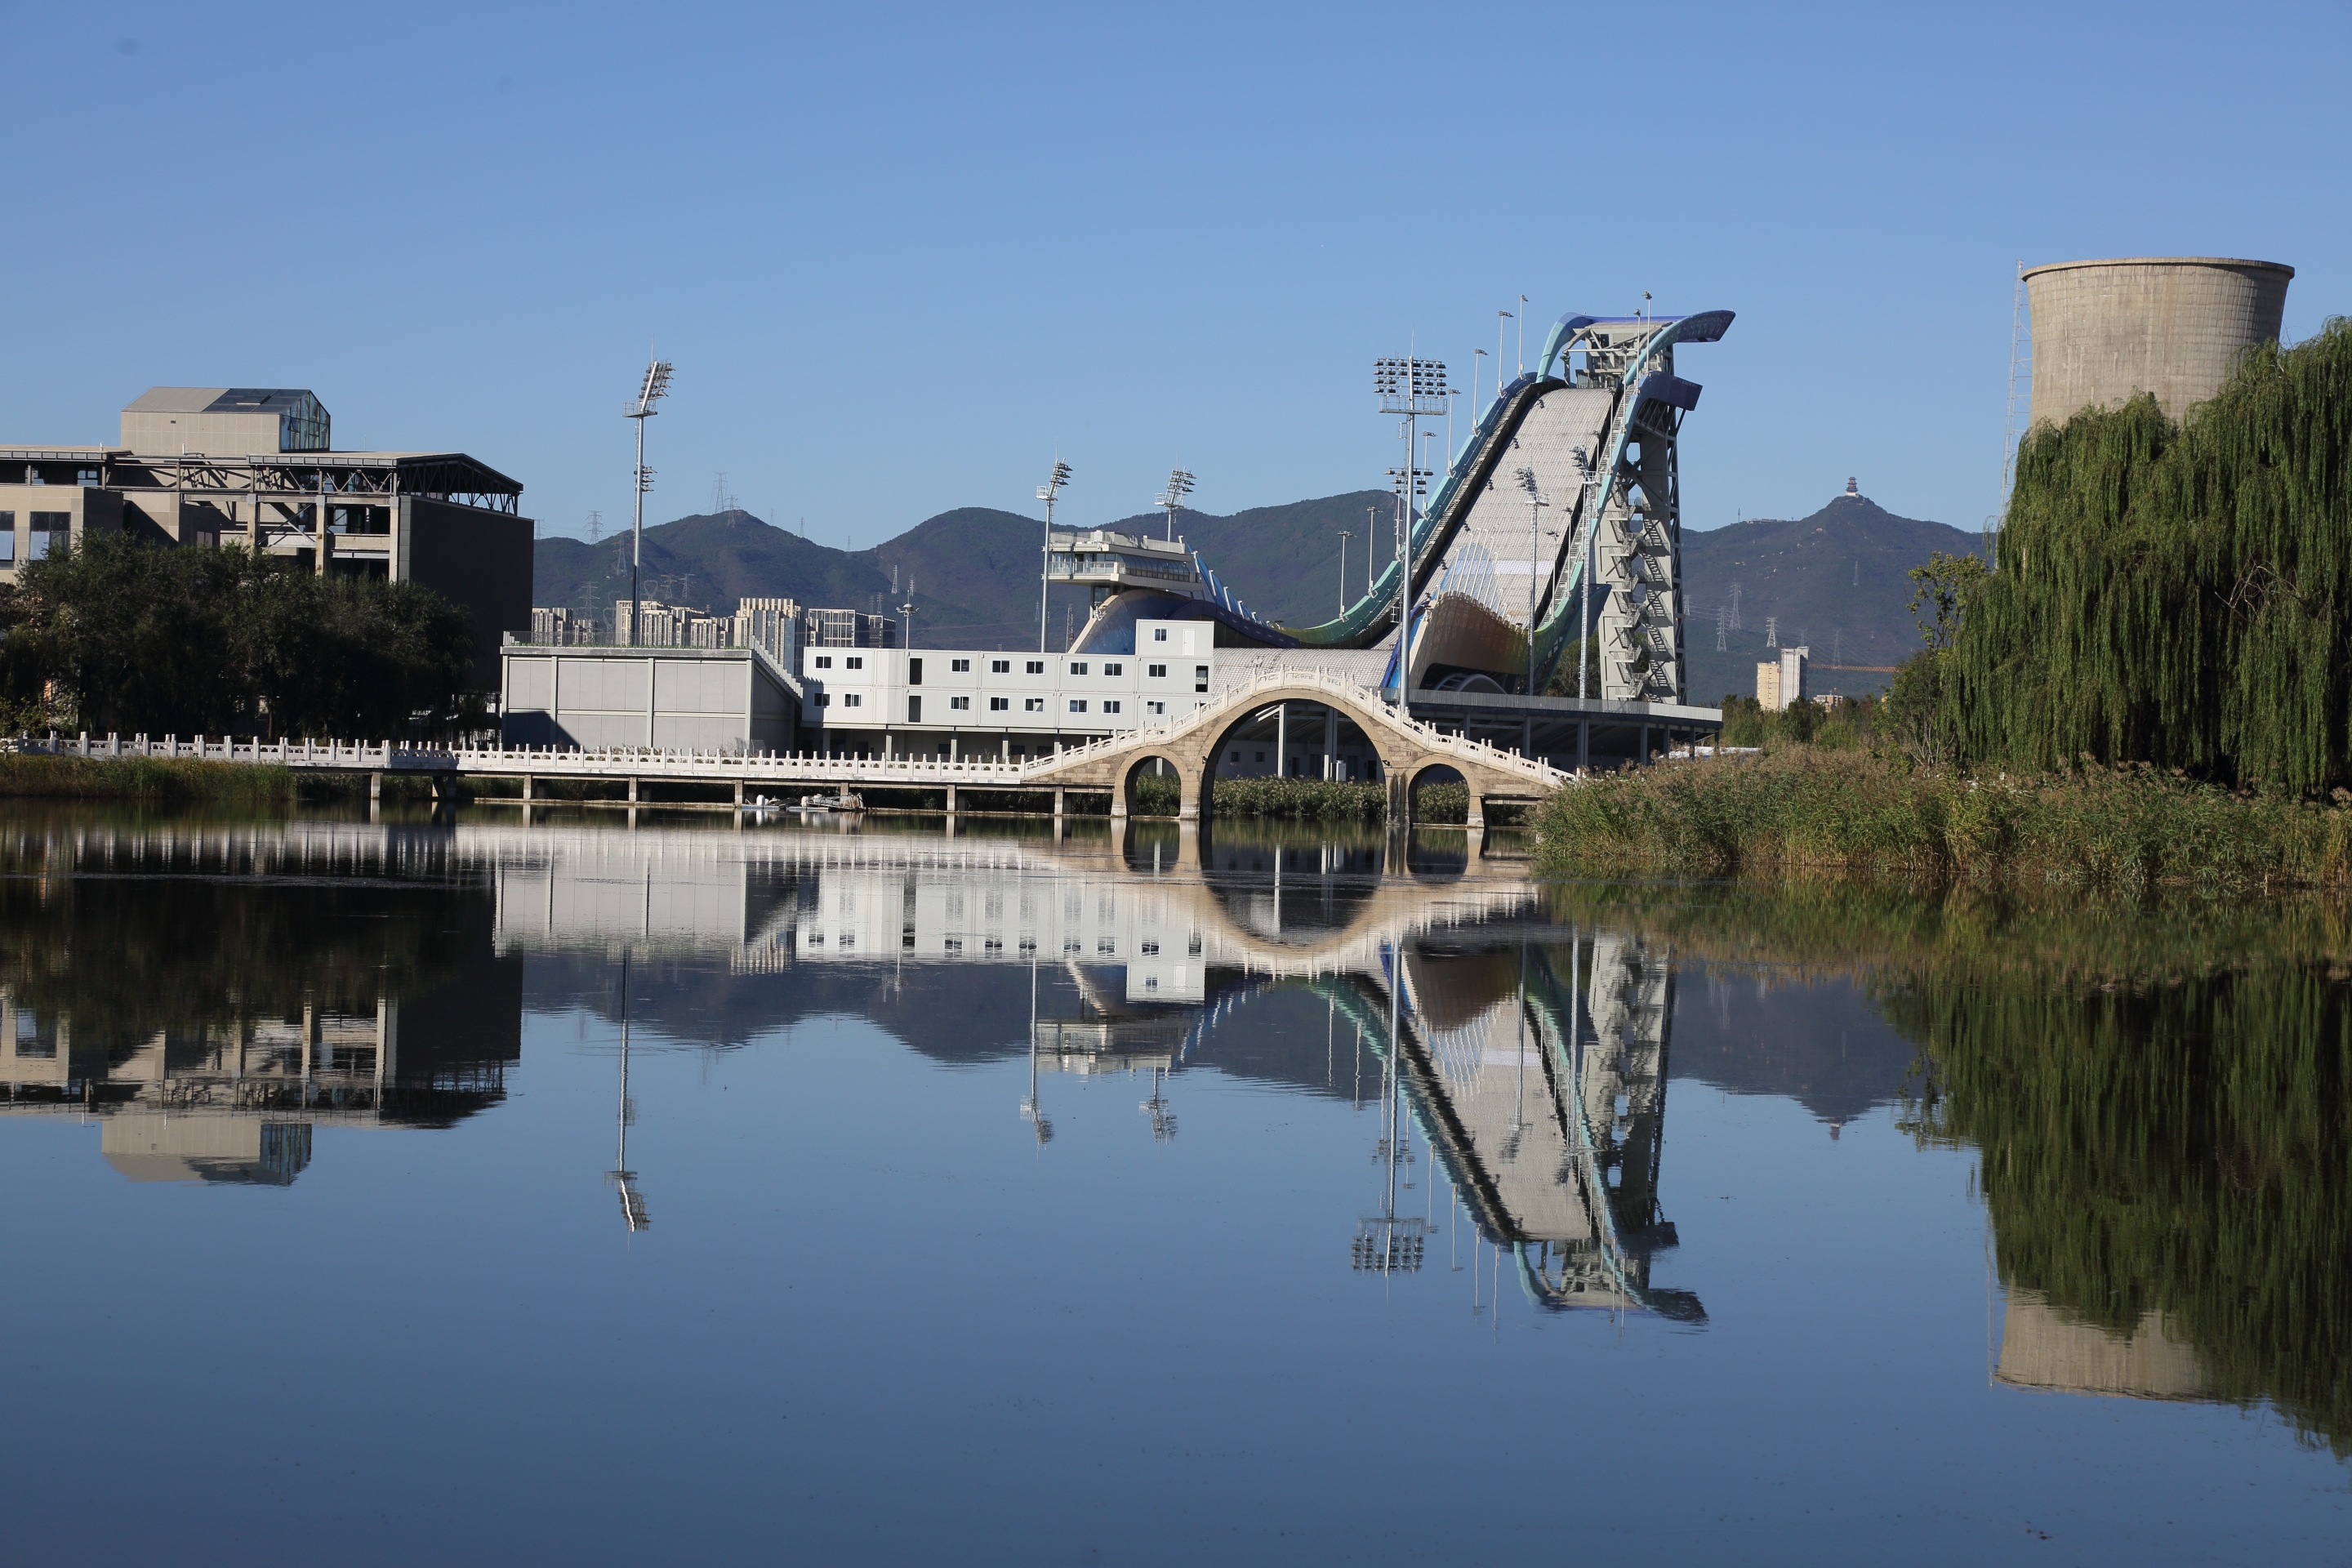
x,y
1594,428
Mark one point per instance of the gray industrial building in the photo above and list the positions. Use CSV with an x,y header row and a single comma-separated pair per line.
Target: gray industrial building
x,y
2104,332
256,467
671,698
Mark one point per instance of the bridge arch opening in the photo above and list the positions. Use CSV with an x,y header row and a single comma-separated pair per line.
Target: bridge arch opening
x,y
1296,737
1441,796
1152,785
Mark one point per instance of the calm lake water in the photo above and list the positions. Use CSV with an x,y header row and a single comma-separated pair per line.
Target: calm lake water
x,y
575,1192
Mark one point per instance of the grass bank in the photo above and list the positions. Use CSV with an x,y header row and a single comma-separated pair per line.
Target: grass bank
x,y
1806,809
34,777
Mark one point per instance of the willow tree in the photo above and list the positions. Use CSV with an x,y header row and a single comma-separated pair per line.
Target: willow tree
x,y
2178,593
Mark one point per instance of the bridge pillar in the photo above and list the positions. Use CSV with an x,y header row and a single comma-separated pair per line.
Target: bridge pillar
x,y
526,786
633,800
952,800
1057,805
739,795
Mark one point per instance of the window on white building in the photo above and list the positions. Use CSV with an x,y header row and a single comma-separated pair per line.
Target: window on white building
x,y
853,663
1114,669
1000,704
824,661
1159,634
1036,666
1157,707
1200,678
1111,706
959,703
960,666
1033,705
1157,671
1077,704
1000,666
1078,666
851,700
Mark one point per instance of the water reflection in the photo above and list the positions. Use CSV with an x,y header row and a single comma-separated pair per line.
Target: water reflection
x,y
2158,1097
214,993
2158,1103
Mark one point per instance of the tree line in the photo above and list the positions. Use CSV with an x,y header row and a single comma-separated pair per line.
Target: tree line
x,y
120,635
2173,594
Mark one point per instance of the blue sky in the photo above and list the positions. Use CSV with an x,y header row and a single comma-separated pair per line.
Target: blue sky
x,y
901,254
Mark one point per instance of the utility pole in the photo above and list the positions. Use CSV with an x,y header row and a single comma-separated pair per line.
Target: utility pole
x,y
655,388
1345,535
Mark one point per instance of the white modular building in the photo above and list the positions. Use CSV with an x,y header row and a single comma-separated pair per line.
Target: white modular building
x,y
955,702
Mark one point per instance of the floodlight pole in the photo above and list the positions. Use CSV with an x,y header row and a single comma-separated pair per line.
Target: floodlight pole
x,y
655,387
1535,503
1411,386
1046,492
1345,535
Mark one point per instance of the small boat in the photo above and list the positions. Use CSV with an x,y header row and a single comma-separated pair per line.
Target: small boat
x,y
845,802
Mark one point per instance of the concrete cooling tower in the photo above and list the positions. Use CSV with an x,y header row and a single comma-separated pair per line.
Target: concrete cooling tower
x,y
2104,332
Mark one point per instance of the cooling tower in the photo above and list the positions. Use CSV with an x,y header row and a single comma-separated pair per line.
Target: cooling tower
x,y
2104,332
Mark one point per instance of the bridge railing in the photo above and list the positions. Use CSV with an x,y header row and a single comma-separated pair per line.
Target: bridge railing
x,y
1361,697
632,762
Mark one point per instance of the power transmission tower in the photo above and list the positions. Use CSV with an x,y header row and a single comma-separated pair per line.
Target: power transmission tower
x,y
1722,613
1735,607
1771,631
595,526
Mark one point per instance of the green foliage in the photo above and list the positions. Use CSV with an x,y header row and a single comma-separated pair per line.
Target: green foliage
x,y
126,637
2178,595
1843,727
1943,586
1299,800
1563,675
1914,712
1809,808
25,775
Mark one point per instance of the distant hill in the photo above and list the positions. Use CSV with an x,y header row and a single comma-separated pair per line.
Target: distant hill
x,y
1835,577
974,569
1836,581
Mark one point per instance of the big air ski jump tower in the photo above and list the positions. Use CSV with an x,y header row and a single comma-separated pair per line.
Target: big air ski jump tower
x,y
1593,432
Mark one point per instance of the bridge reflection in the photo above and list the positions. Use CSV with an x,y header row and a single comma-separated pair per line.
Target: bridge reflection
x,y
369,974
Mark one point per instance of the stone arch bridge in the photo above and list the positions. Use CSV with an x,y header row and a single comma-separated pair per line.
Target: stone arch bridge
x,y
1188,742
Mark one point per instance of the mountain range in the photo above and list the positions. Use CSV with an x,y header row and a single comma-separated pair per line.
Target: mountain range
x,y
1834,579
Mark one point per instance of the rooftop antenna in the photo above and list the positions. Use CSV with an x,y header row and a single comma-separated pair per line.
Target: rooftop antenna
x,y
655,387
1046,492
1179,485
907,609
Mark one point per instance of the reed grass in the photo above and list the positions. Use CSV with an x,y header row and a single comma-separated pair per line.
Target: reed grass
x,y
1808,810
33,776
